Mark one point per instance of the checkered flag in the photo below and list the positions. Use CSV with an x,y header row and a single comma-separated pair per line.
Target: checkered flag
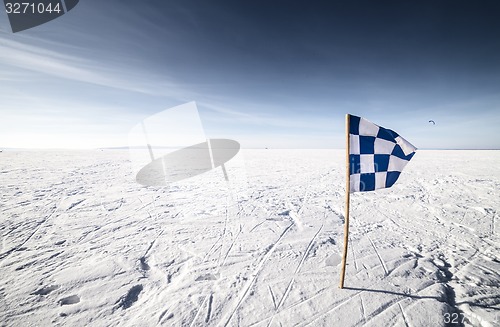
x,y
376,155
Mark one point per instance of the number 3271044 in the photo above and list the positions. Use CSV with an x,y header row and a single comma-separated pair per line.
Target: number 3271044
x,y
31,8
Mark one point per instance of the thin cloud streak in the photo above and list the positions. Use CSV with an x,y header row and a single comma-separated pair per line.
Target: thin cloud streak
x,y
271,119
47,62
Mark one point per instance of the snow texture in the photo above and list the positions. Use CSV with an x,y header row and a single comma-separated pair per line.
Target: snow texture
x,y
82,244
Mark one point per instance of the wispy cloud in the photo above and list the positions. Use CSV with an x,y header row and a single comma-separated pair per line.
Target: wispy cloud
x,y
98,71
276,117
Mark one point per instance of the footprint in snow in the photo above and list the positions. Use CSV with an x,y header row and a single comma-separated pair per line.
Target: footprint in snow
x,y
333,260
208,277
72,299
46,290
130,298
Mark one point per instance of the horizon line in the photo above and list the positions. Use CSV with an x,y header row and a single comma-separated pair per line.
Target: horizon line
x,y
243,148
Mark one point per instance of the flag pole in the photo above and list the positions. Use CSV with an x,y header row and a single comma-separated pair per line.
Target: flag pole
x,y
347,199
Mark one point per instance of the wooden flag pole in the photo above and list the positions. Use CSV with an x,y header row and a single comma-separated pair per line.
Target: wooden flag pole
x,y
347,199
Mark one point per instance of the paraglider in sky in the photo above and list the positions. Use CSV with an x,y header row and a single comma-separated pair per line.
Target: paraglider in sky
x,y
432,121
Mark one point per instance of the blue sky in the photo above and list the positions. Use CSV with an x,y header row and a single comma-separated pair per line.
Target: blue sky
x,y
267,74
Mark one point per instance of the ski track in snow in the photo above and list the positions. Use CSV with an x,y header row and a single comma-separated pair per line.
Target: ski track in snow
x,y
83,244
378,256
254,275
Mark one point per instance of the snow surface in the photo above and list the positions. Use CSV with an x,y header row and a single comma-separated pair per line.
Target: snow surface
x,y
82,244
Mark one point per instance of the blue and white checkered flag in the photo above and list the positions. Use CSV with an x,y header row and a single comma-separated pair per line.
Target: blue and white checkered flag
x,y
377,155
